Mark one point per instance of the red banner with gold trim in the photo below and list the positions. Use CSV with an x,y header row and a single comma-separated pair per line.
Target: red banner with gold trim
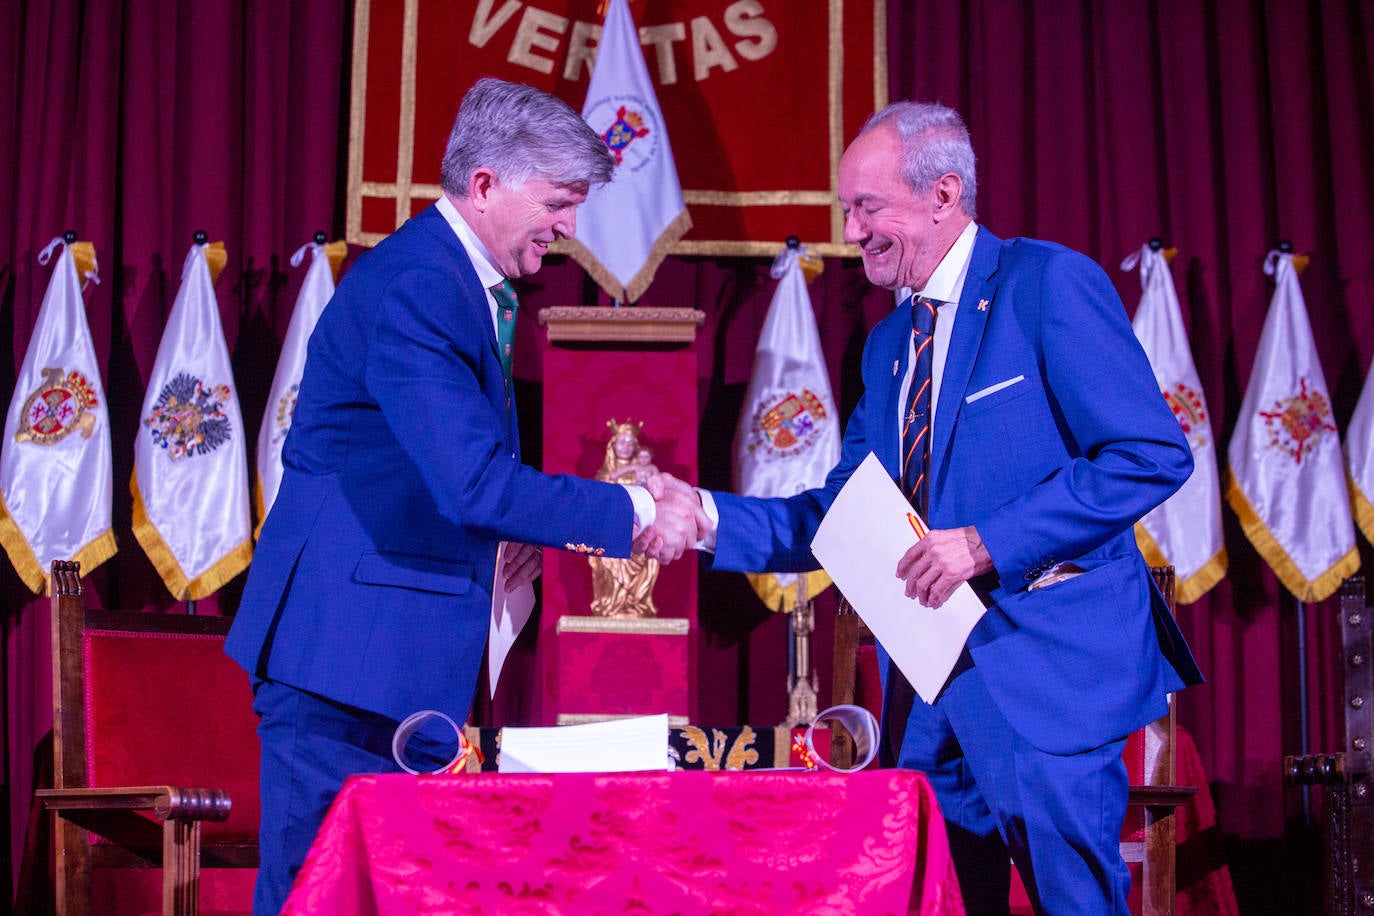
x,y
759,95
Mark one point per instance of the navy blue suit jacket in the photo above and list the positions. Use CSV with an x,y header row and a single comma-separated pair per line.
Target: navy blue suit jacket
x,y
371,584
1055,465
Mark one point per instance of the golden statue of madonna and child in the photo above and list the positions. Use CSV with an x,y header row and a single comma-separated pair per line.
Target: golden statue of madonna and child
x,y
624,587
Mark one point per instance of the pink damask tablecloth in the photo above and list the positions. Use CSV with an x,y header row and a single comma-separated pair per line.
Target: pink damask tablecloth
x,y
685,842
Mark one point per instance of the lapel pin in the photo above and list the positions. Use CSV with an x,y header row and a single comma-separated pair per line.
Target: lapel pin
x,y
982,305
894,367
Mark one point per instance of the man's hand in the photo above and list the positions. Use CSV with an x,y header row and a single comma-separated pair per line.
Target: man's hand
x,y
680,520
523,564
941,562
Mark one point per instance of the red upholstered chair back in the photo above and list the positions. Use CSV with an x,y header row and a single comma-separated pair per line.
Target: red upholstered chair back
x,y
164,704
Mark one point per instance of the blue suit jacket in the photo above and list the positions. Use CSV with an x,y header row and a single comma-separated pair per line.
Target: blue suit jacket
x,y
371,584
1057,465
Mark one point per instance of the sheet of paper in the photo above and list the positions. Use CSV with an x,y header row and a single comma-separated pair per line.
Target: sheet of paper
x,y
617,746
509,611
868,528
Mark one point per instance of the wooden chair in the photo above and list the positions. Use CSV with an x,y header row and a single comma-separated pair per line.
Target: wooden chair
x,y
1147,837
152,731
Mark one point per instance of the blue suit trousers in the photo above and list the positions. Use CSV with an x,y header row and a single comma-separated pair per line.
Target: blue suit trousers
x,y
309,747
1058,817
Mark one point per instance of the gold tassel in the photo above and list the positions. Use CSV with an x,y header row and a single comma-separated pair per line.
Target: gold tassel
x,y
83,253
216,257
336,251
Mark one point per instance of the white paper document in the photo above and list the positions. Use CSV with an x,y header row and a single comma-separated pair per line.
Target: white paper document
x,y
617,746
509,611
859,542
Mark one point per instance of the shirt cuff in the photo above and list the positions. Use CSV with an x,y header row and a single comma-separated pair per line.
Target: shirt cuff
x,y
645,511
708,505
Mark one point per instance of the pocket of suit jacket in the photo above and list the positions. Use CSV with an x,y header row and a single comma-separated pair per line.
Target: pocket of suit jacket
x,y
403,570
992,396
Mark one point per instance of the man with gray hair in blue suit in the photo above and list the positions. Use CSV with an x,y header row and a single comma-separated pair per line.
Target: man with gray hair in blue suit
x,y
370,593
1010,400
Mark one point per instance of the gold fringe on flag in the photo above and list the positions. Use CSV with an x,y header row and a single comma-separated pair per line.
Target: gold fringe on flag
x,y
783,599
1303,589
1188,590
26,564
165,562
631,291
1361,508
259,512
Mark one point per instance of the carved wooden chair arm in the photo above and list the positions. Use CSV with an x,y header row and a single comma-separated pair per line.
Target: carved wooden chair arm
x,y
111,813
166,802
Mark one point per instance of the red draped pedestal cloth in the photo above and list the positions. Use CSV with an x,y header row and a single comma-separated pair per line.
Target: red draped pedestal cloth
x,y
686,842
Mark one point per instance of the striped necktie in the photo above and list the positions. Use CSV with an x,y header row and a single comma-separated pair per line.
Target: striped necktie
x,y
506,307
916,420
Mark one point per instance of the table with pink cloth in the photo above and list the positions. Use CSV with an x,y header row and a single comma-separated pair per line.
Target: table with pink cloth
x,y
685,842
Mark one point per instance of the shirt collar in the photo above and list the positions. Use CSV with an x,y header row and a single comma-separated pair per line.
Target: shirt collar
x,y
487,275
948,279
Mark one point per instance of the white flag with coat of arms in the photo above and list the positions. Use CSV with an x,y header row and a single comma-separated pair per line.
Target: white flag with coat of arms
x,y
314,295
788,438
625,228
1286,478
56,471
1359,458
190,480
1185,530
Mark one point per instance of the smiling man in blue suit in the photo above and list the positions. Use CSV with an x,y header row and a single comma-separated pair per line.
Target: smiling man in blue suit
x,y
1008,396
371,588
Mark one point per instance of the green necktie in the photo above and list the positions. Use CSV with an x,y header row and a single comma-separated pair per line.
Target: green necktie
x,y
506,306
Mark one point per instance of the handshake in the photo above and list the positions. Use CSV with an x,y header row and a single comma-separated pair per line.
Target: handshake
x,y
680,521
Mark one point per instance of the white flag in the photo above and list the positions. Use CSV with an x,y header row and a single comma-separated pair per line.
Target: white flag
x,y
281,401
625,228
190,481
56,475
1359,458
788,437
1287,482
1184,531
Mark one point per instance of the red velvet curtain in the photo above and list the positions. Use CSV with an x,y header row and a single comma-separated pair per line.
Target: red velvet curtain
x,y
1220,127
136,124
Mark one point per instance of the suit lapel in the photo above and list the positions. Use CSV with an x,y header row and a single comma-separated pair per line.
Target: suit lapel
x,y
889,444
502,400
434,221
970,320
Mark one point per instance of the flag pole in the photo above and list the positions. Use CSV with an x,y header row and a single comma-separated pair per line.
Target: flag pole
x,y
1303,743
801,676
199,237
1286,246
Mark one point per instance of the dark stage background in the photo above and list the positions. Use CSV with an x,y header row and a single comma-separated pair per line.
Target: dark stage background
x,y
1220,127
